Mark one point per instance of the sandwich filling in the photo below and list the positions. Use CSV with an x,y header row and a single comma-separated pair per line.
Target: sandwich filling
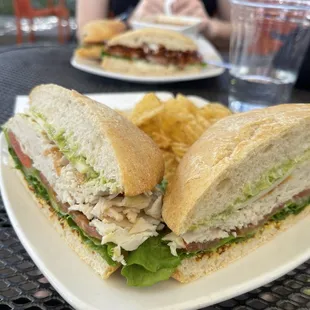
x,y
107,220
155,54
285,194
288,193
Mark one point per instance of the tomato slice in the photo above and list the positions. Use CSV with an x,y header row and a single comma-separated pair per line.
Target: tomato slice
x,y
25,159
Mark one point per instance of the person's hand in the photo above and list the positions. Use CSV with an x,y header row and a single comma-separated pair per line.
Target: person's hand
x,y
147,8
194,8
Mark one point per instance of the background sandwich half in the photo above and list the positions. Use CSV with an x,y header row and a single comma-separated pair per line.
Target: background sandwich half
x,y
94,173
152,52
245,180
94,36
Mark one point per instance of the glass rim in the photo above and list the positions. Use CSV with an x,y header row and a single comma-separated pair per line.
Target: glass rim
x,y
272,4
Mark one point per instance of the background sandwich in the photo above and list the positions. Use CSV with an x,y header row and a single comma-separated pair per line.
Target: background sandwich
x,y
152,52
94,173
95,35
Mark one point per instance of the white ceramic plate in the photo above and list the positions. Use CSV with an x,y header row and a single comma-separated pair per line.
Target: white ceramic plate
x,y
83,289
190,27
206,49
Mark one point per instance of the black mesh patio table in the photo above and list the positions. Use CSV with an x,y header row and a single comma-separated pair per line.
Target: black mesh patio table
x,y
22,285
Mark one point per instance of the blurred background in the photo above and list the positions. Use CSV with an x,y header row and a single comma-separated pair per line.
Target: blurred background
x,y
45,28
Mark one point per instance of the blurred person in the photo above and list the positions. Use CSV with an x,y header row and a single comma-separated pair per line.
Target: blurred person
x,y
215,14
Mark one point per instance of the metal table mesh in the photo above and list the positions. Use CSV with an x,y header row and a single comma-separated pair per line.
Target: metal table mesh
x,y
22,285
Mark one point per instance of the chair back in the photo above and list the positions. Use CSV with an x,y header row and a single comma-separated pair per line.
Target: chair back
x,y
22,8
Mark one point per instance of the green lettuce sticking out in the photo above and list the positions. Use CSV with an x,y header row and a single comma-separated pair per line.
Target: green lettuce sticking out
x,y
152,262
291,208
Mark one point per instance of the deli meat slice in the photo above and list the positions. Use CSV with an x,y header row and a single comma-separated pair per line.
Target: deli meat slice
x,y
160,55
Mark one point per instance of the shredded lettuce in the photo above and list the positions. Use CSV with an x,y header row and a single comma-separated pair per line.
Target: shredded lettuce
x,y
163,185
67,148
267,180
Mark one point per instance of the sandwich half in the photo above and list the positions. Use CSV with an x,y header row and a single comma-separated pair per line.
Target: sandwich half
x,y
244,181
94,174
94,36
152,52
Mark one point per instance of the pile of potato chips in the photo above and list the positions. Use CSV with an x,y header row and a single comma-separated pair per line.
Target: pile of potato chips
x,y
174,124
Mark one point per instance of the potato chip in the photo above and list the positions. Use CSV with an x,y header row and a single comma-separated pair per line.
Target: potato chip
x,y
161,140
184,101
214,111
175,125
146,109
179,149
171,165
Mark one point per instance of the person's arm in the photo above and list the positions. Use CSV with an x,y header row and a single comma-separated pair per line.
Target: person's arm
x,y
87,10
223,11
219,28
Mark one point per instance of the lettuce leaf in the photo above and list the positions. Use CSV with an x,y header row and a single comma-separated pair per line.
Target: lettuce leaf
x,y
18,164
103,54
136,275
291,208
153,262
102,250
37,186
150,263
32,177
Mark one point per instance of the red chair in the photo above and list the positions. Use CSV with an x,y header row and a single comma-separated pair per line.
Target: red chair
x,y
24,9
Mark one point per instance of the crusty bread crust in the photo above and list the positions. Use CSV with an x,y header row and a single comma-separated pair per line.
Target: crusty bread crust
x,y
98,31
196,267
90,52
142,67
139,159
210,165
171,40
71,236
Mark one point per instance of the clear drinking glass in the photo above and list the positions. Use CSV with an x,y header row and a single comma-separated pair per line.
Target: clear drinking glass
x,y
268,43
